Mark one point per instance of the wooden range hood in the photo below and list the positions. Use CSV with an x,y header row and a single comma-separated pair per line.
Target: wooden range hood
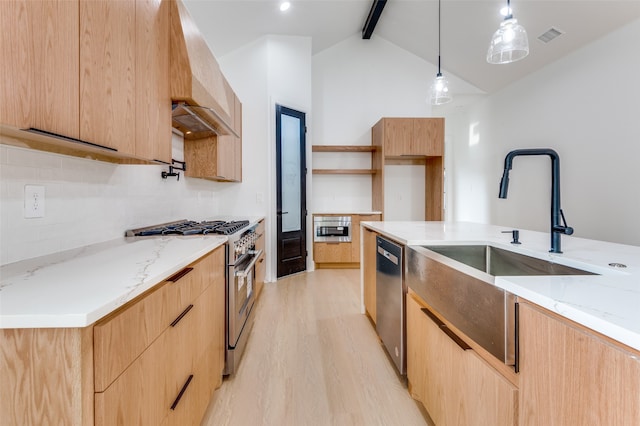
x,y
203,101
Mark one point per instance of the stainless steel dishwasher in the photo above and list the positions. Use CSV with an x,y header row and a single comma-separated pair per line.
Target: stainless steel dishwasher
x,y
390,301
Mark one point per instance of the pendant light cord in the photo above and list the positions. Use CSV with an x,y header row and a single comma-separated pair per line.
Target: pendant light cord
x,y
439,26
509,15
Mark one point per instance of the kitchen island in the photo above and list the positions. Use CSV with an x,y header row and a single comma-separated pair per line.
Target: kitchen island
x,y
576,337
608,303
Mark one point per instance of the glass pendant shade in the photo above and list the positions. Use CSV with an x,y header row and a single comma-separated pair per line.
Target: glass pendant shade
x,y
440,90
509,43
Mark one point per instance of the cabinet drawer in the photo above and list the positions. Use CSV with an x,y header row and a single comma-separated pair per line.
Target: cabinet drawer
x,y
124,335
260,232
140,394
332,252
164,376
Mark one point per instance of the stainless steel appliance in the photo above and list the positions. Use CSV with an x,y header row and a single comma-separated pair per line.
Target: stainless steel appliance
x,y
241,257
332,229
390,301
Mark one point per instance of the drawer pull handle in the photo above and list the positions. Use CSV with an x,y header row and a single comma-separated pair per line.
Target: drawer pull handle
x,y
184,388
442,326
180,274
177,320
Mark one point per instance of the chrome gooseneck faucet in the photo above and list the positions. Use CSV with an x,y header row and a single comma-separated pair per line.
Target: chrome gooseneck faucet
x,y
557,229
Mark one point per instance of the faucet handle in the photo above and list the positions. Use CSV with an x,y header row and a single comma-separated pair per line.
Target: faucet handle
x,y
515,234
567,230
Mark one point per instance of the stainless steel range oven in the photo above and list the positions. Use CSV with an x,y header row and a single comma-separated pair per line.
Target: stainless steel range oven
x,y
241,260
241,257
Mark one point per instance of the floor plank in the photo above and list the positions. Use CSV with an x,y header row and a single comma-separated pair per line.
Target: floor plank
x,y
313,359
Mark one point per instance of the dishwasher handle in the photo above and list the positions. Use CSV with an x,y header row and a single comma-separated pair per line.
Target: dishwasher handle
x,y
393,258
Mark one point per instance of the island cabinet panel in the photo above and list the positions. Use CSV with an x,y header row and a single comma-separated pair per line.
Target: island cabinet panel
x,y
455,385
369,271
39,85
569,375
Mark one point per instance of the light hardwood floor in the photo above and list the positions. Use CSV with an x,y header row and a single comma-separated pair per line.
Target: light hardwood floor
x,y
313,359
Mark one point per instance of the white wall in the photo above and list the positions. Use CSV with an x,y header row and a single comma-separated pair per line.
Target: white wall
x,y
273,70
585,106
355,83
89,201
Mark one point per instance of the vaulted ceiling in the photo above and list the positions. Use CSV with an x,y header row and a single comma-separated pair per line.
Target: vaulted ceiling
x,y
467,27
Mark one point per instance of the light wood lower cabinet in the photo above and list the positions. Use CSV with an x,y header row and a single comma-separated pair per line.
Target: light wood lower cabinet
x,y
369,271
455,385
571,376
129,367
261,264
344,254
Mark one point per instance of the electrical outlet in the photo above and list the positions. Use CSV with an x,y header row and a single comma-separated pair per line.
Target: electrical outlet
x,y
33,201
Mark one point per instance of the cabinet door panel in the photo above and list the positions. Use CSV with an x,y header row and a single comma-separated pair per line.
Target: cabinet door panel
x,y
456,386
141,395
428,137
121,338
332,252
39,75
398,133
570,377
153,101
107,73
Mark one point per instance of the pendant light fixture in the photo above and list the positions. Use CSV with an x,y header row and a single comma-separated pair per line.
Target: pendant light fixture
x,y
440,86
509,42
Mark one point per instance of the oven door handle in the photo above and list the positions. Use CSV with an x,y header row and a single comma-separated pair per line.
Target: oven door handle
x,y
249,267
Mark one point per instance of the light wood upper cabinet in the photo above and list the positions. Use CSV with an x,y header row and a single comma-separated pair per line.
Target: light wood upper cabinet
x,y
412,136
124,77
39,84
398,136
428,137
153,100
108,74
93,71
411,141
572,376
217,157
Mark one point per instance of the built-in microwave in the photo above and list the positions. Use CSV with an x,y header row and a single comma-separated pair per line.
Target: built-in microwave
x,y
332,228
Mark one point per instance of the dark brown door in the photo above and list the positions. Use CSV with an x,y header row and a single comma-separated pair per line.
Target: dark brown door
x,y
291,183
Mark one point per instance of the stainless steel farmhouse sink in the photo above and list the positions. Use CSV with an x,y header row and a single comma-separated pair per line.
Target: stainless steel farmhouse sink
x,y
499,262
457,281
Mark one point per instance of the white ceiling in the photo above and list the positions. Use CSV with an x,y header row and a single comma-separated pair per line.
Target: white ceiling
x,y
467,27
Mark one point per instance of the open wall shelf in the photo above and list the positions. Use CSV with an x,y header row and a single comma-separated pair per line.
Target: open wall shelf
x,y
344,148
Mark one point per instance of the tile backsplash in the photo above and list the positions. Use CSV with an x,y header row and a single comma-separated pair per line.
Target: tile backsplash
x,y
88,201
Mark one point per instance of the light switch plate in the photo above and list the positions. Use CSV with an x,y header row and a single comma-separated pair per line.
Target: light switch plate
x,y
33,201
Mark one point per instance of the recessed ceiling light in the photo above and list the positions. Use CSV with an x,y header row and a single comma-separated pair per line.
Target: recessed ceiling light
x,y
284,6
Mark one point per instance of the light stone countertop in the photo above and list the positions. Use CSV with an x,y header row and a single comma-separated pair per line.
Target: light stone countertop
x,y
608,303
75,288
